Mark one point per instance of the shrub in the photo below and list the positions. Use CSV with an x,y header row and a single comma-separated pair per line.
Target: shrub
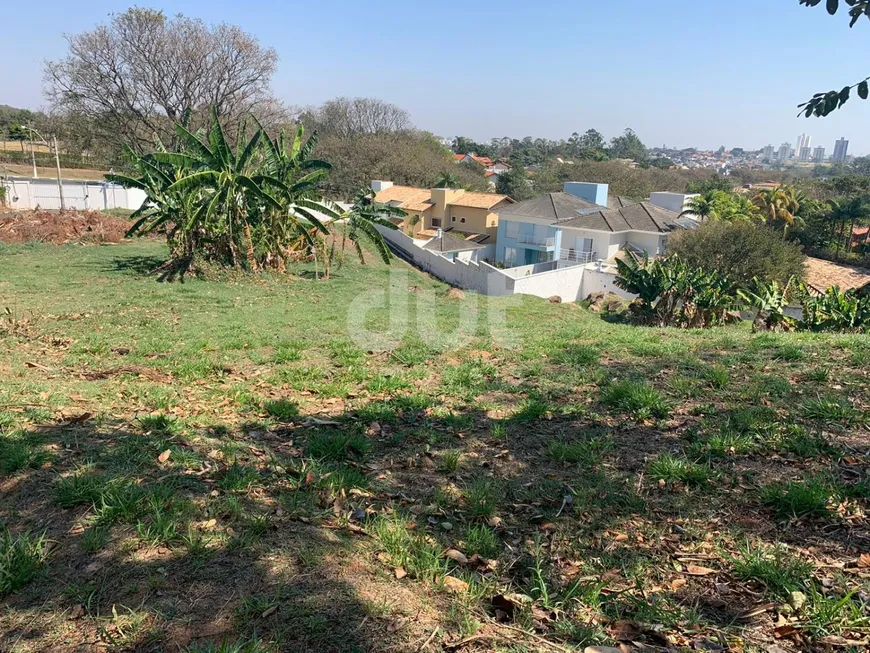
x,y
741,251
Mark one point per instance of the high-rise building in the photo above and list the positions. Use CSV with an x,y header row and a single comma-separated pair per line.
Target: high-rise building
x,y
804,154
841,149
784,153
802,142
819,154
767,153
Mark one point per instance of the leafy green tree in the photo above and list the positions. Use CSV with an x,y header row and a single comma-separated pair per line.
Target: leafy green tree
x,y
823,104
514,183
672,292
628,146
590,146
769,300
719,182
701,208
661,162
463,145
19,133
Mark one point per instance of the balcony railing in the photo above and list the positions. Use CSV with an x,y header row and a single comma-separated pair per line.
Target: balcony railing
x,y
537,242
574,255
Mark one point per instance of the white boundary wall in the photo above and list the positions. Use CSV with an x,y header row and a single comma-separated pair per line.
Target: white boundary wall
x,y
29,193
570,283
471,275
566,283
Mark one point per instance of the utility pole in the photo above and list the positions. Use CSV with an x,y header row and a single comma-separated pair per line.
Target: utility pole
x,y
59,180
33,155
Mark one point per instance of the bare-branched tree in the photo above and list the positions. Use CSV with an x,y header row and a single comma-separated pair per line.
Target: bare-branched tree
x,y
144,71
350,117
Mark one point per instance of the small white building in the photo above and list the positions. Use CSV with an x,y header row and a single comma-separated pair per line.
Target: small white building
x,y
676,202
452,247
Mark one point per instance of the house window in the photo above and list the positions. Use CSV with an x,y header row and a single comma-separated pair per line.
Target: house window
x,y
462,219
510,255
512,230
453,219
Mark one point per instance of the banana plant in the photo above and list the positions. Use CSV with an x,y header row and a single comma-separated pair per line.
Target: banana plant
x,y
836,311
769,301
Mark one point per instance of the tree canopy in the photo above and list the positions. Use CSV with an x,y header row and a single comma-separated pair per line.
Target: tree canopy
x,y
740,250
143,71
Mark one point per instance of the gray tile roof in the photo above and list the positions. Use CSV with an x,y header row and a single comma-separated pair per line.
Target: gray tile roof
x,y
619,202
447,243
552,207
636,217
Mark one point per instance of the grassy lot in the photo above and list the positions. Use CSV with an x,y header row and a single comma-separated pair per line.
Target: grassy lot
x,y
229,465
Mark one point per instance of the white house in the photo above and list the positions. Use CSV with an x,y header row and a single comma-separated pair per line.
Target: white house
x,y
577,226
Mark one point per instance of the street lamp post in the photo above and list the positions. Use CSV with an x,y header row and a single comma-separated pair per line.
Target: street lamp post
x,y
33,155
59,180
56,161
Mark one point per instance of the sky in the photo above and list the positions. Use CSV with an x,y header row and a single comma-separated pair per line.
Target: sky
x,y
681,73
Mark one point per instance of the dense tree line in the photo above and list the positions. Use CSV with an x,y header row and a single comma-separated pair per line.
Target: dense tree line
x,y
528,151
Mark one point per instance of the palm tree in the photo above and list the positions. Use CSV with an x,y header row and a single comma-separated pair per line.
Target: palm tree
x,y
448,180
742,209
721,205
702,207
778,205
849,211
365,213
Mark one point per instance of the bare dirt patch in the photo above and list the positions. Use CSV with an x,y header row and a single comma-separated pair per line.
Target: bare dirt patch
x,y
62,227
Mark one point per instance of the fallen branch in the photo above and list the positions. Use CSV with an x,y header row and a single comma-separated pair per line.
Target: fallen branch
x,y
537,638
429,641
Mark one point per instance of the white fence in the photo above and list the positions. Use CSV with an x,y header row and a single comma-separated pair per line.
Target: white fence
x,y
29,193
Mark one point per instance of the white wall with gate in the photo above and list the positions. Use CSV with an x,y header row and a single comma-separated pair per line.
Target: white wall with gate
x,y
30,193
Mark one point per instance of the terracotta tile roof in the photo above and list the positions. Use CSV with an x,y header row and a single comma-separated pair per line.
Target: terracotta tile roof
x,y
821,275
416,205
485,161
459,157
403,195
409,198
480,200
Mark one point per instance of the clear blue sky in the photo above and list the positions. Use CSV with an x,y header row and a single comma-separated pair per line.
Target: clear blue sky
x,y
681,72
